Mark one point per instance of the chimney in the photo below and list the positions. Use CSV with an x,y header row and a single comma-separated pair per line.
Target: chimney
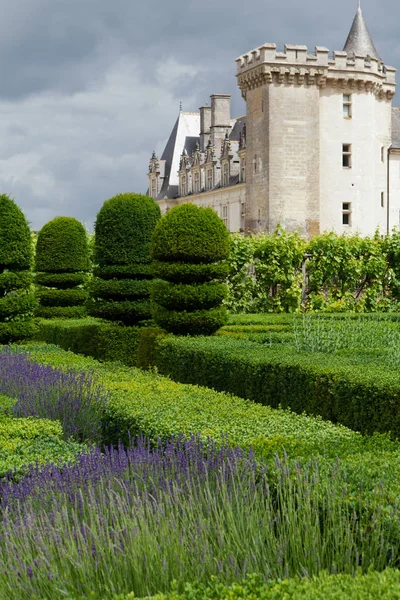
x,y
205,126
220,118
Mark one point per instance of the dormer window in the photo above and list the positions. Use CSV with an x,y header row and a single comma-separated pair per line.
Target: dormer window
x,y
153,189
183,185
209,179
225,174
196,182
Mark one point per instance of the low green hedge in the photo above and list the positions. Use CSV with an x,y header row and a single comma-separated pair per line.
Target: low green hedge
x,y
10,331
145,403
12,306
348,388
91,337
31,441
371,586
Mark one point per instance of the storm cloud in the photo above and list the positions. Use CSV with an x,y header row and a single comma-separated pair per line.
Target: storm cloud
x,y
89,88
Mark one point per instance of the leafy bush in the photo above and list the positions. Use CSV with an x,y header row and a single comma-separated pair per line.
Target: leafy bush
x,y
374,584
17,301
189,241
120,290
28,441
104,341
190,234
62,262
62,247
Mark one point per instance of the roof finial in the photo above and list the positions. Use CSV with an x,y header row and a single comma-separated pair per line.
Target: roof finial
x,y
180,106
359,4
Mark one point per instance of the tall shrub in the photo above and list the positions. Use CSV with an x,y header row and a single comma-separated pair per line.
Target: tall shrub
x,y
17,300
120,289
190,247
62,265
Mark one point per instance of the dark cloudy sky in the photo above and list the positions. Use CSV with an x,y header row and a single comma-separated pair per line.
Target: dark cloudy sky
x,y
88,88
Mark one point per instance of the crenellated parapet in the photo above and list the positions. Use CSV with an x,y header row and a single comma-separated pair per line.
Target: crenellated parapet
x,y
296,66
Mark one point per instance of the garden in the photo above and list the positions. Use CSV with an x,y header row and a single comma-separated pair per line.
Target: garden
x,y
186,414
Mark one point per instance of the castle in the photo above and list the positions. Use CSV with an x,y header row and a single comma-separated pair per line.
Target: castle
x,y
318,149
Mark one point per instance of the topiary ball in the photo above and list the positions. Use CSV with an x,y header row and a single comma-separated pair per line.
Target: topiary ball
x,y
123,229
62,247
15,237
191,234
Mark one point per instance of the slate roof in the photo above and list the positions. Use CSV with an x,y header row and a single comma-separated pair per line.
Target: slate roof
x,y
359,41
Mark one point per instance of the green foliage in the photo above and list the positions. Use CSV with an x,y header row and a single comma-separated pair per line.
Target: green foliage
x,y
126,312
374,584
148,338
199,322
187,243
123,230
62,257
188,297
181,272
133,271
15,237
190,234
61,312
31,441
90,337
11,281
63,297
16,299
120,289
61,281
62,247
343,273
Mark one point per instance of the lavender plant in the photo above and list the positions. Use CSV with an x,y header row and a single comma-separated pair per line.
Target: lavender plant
x,y
73,398
136,520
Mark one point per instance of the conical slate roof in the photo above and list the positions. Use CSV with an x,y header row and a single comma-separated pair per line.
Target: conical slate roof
x,y
359,41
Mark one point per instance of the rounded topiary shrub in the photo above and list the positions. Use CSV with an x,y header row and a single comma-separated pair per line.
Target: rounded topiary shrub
x,y
120,289
17,300
62,265
189,249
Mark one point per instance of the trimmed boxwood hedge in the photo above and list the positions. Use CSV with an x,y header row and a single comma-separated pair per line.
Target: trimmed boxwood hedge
x,y
92,337
120,290
180,272
187,244
17,300
62,262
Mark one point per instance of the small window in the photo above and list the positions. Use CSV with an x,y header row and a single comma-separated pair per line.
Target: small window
x,y
346,213
209,179
347,106
346,156
382,199
383,154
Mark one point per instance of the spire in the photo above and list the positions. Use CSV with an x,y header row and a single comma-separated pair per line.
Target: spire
x,y
359,40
